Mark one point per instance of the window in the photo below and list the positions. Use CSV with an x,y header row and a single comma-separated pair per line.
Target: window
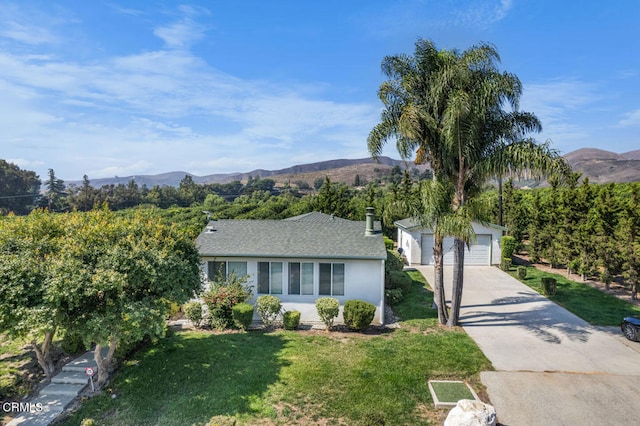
x,y
216,270
332,279
270,277
300,278
238,268
221,270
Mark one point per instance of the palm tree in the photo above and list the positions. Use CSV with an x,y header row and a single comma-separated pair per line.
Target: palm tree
x,y
414,107
484,141
446,108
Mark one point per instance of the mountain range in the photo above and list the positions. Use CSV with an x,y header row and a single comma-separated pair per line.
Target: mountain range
x,y
599,165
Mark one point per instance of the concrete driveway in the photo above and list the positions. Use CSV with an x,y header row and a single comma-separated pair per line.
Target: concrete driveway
x,y
552,367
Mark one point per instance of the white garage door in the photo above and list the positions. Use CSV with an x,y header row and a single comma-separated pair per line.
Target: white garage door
x,y
427,249
478,254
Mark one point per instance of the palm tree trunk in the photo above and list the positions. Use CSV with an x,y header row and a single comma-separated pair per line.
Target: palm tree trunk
x,y
500,200
458,281
438,286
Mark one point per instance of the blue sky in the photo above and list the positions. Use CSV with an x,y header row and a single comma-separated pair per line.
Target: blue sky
x,y
115,88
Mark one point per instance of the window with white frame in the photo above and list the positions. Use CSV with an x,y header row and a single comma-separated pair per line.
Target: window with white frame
x,y
270,277
220,270
300,278
331,279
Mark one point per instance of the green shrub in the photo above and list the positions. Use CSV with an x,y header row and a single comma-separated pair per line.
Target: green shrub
x,y
606,277
388,243
242,315
398,279
88,422
508,244
394,295
505,265
172,309
522,272
268,308
393,263
548,286
193,312
222,296
291,320
328,309
358,314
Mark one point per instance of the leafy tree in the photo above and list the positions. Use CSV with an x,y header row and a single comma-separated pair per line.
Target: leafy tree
x,y
55,196
19,189
189,191
515,214
628,237
318,182
103,276
334,198
26,307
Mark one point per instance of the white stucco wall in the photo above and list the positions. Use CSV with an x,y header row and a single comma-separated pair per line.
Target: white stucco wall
x,y
409,240
364,280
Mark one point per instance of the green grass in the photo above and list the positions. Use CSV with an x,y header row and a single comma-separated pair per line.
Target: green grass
x,y
14,368
590,304
292,377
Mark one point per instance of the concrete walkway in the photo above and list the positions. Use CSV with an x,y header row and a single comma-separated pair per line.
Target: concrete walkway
x,y
55,397
552,367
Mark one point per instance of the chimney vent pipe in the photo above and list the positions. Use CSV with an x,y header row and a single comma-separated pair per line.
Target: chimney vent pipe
x,y
369,222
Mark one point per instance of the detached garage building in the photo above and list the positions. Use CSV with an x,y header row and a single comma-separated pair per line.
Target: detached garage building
x,y
417,244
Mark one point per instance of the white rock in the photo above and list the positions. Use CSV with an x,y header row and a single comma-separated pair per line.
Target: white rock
x,y
471,413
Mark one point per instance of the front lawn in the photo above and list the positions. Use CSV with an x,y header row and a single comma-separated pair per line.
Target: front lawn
x,y
590,304
292,377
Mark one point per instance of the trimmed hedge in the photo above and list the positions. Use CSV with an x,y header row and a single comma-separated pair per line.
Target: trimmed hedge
x,y
393,263
522,272
508,244
358,314
291,320
328,309
242,315
268,308
193,312
548,286
505,265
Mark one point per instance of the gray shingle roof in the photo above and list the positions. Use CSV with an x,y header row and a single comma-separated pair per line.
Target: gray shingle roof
x,y
312,235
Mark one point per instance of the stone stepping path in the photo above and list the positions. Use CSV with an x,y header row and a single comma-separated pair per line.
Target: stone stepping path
x,y
57,395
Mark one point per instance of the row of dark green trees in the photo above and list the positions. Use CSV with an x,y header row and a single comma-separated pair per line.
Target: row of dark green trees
x,y
20,191
592,230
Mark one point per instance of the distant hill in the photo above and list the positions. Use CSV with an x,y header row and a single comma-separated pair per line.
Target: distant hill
x,y
343,170
604,166
599,165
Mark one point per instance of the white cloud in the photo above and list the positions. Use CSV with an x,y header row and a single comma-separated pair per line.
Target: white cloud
x,y
632,119
482,13
163,110
25,164
25,26
556,104
180,34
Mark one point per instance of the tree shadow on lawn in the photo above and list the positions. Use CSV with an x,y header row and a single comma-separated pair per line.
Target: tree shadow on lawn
x,y
190,377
